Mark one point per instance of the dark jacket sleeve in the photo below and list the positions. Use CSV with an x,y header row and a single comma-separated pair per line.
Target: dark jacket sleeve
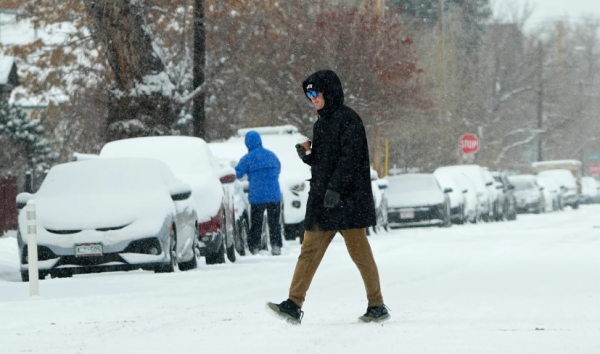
x,y
352,137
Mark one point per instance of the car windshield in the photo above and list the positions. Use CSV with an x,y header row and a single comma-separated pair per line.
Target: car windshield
x,y
103,177
522,184
411,184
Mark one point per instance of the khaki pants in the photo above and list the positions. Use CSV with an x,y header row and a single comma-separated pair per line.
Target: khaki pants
x,y
313,249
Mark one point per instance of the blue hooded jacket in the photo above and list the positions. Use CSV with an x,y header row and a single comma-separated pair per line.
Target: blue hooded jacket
x,y
262,168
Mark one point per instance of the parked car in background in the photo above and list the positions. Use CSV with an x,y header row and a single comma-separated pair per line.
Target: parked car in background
x,y
510,204
471,201
378,186
458,212
417,199
110,215
212,185
528,194
475,174
571,181
496,195
590,193
294,176
552,193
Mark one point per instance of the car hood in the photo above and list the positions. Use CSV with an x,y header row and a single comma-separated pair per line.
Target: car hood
x,y
83,212
421,198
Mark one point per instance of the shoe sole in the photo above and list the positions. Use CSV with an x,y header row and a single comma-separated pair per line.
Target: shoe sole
x,y
376,320
274,310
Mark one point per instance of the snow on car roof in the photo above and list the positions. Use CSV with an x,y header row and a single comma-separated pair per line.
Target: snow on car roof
x,y
108,176
182,154
283,146
276,130
556,162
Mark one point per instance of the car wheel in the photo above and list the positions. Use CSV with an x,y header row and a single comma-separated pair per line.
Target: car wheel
x,y
576,206
193,263
241,242
25,275
172,250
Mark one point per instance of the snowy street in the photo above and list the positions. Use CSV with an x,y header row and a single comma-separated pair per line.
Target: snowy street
x,y
530,286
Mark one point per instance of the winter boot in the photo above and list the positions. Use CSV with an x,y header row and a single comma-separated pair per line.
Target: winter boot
x,y
276,250
287,310
375,314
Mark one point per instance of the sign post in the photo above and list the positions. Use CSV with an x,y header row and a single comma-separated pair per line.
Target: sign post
x,y
32,254
468,144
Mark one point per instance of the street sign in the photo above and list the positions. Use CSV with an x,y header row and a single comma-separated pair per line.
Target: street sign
x,y
594,157
468,144
594,169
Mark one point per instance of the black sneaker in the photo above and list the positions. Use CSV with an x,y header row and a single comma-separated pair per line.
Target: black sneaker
x,y
287,310
375,314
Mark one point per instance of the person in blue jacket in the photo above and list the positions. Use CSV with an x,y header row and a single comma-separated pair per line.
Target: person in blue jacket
x,y
263,168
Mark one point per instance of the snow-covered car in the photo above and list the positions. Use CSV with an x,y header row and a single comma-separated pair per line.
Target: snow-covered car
x,y
551,190
294,176
192,161
475,174
568,185
416,199
589,190
570,182
378,186
496,195
458,197
110,215
528,194
508,191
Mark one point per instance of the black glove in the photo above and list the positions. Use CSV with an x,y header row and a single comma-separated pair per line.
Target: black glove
x,y
332,198
301,152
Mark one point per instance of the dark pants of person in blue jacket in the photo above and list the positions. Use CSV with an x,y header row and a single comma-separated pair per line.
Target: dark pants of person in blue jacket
x,y
262,167
273,215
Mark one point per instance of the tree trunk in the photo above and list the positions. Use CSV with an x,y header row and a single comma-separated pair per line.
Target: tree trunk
x,y
199,67
141,100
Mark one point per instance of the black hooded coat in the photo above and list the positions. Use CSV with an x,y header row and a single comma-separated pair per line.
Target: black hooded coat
x,y
339,161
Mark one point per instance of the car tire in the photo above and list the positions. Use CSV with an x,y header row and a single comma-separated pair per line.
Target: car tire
x,y
575,206
216,257
242,232
25,275
172,249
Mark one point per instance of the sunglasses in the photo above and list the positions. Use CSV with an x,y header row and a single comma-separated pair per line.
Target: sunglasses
x,y
310,94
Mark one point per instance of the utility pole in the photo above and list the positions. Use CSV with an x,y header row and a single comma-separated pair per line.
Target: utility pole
x,y
440,59
540,110
198,115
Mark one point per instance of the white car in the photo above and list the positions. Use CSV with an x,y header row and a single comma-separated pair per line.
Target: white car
x,y
294,176
568,183
475,174
552,193
110,215
212,183
378,186
589,190
457,197
417,199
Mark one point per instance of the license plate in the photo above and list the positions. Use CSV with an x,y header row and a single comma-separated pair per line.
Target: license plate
x,y
407,214
88,250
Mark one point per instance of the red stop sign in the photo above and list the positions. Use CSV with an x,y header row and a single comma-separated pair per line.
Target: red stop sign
x,y
468,144
594,169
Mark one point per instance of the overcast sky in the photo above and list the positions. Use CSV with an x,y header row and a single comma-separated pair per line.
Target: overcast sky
x,y
553,9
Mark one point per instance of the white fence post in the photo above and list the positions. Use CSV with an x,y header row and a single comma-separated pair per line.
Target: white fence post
x,y
32,252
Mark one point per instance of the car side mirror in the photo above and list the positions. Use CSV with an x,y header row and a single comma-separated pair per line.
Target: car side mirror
x,y
541,188
500,187
465,191
22,199
181,196
511,187
489,183
383,184
447,190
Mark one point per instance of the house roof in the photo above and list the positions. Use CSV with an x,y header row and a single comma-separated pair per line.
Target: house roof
x,y
8,71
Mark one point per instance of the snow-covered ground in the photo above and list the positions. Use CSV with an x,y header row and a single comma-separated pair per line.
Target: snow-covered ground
x,y
530,286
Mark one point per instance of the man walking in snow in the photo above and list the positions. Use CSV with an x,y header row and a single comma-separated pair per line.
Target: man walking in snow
x,y
263,168
340,198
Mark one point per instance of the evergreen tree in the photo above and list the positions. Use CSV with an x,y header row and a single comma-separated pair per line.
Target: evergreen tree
x,y
26,135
